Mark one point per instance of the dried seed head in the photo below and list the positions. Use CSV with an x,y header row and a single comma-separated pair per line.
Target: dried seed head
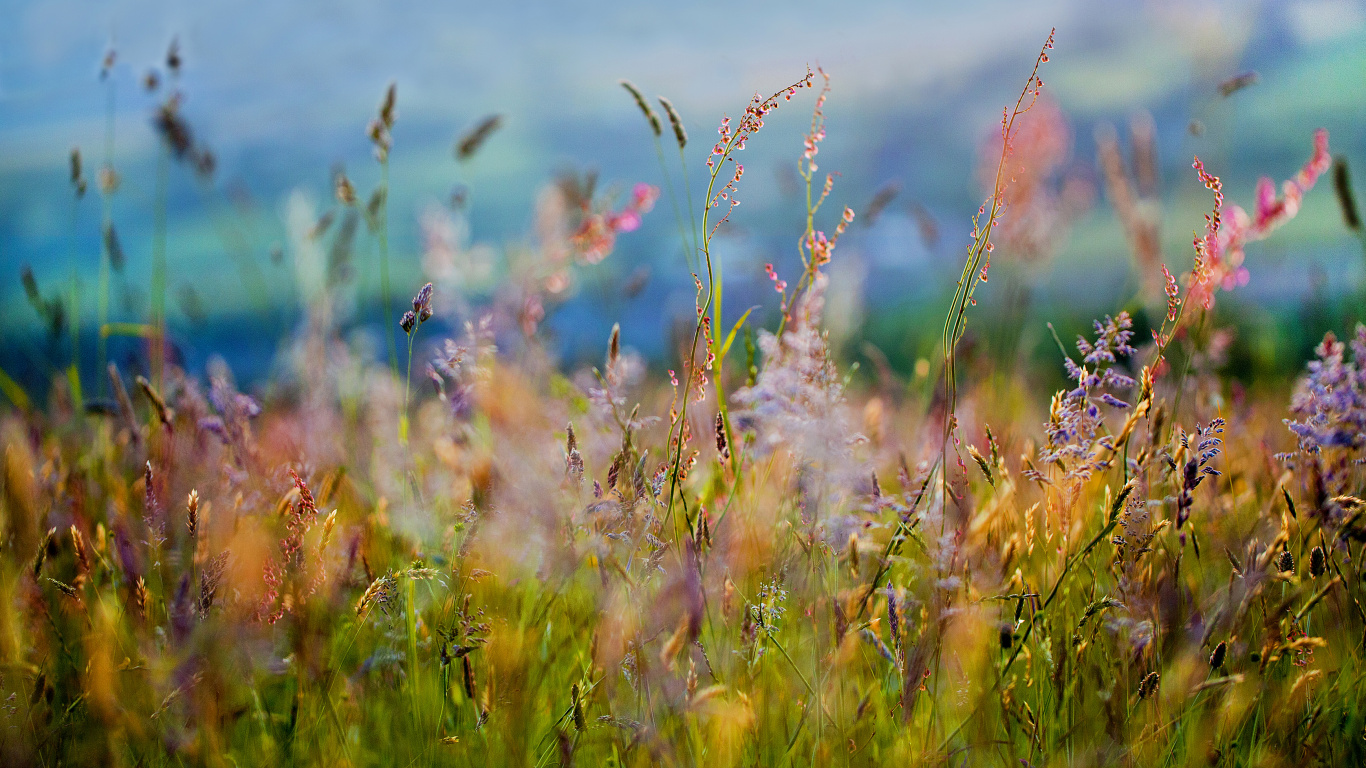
x,y
614,347
140,597
675,122
1285,563
573,460
644,106
386,108
408,322
982,462
192,507
82,557
42,552
722,444
1318,562
346,193
1216,659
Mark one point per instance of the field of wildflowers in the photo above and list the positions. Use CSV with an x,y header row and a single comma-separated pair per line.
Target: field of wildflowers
x,y
463,553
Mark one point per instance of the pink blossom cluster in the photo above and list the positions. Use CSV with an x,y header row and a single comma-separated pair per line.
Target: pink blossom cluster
x,y
1219,251
597,233
733,139
819,247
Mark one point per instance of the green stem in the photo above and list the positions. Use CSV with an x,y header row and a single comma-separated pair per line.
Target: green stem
x,y
159,269
384,288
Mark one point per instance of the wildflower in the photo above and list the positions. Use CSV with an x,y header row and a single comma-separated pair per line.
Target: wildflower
x,y
1197,468
1219,252
1330,402
421,311
794,402
596,235
1074,435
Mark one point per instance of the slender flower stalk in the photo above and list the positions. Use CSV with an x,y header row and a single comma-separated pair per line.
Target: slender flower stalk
x,y
732,140
979,255
411,321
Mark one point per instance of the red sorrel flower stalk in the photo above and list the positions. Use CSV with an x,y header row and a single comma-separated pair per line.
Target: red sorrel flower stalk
x,y
979,253
732,139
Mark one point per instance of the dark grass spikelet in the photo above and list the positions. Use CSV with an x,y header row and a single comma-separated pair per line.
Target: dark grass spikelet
x,y
173,58
1318,562
173,129
1237,83
644,106
469,143
1216,659
113,247
580,724
894,622
881,199
43,547
1285,562
675,122
77,176
164,412
722,444
1342,188
1148,686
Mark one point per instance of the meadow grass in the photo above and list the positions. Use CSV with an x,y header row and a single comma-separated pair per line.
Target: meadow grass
x,y
768,564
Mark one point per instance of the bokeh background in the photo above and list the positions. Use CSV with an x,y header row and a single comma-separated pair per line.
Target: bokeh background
x,y
282,93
